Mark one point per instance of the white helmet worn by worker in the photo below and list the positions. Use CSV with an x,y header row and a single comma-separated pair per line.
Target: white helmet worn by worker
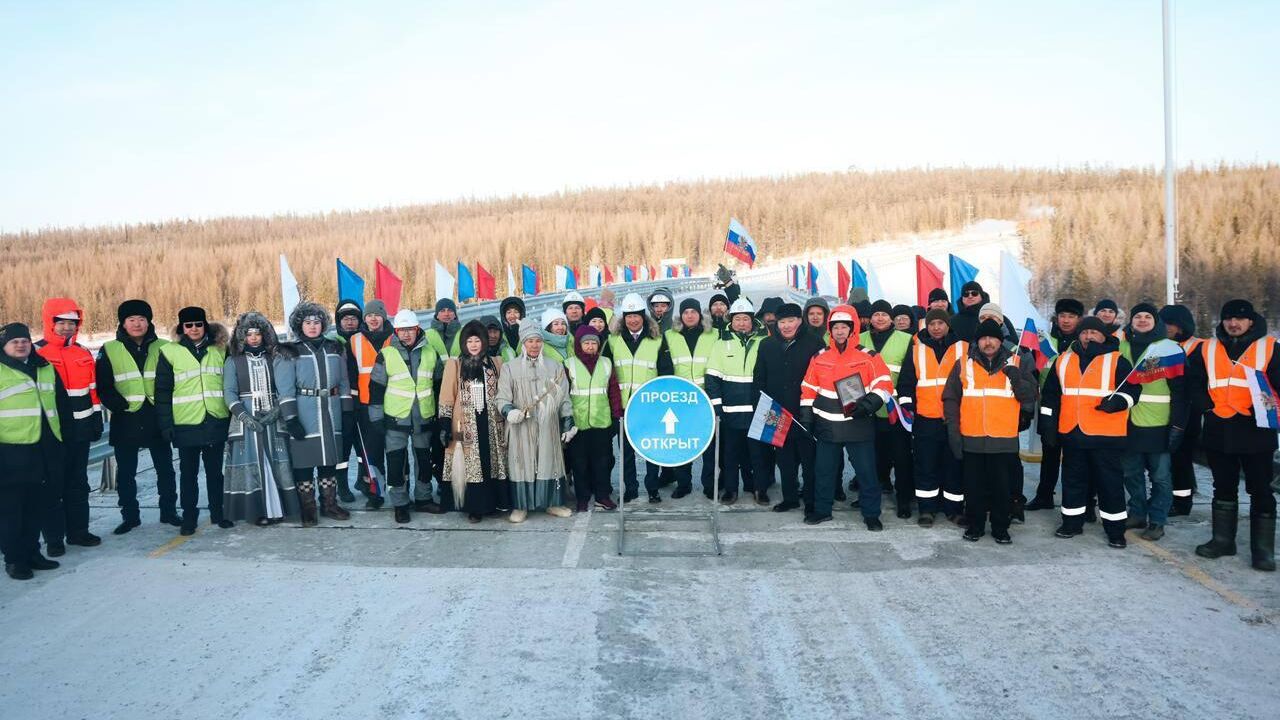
x,y
405,318
740,306
571,297
632,303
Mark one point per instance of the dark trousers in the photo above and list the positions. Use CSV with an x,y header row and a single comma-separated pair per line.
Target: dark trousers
x,y
796,455
893,453
629,468
189,461
1182,464
987,479
829,466
127,479
1050,459
735,451
370,447
1089,470
591,453
21,516
939,484
709,465
1256,468
398,475
764,464
67,497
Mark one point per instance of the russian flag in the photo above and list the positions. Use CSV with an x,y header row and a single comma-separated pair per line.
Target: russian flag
x,y
901,415
1265,400
1039,346
1162,360
739,244
771,422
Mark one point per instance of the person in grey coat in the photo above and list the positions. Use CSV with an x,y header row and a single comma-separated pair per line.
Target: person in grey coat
x,y
314,393
405,421
257,475
533,395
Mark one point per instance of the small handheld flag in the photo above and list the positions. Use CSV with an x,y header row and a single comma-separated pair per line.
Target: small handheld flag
x,y
1163,360
900,415
1266,403
1039,346
771,422
739,244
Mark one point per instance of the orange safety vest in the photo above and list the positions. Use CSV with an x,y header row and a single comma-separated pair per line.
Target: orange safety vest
x,y
1227,385
1081,393
366,355
1191,344
932,374
988,407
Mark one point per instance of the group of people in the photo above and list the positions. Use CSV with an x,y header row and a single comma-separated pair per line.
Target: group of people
x,y
509,415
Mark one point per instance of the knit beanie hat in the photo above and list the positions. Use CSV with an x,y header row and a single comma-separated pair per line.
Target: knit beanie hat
x,y
989,328
937,314
991,309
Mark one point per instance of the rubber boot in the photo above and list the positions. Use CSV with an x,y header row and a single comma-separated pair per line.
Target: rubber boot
x,y
1225,517
1262,541
307,501
329,500
1181,507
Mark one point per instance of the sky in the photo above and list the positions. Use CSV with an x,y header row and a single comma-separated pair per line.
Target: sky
x,y
119,111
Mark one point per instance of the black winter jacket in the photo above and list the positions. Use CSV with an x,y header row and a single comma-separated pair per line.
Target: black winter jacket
x,y
41,461
781,366
1240,434
211,430
1051,396
127,429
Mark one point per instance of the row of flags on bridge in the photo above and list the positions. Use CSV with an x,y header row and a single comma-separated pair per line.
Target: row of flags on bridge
x,y
837,277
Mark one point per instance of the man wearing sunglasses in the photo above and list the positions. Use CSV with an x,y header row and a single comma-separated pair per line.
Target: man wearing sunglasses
x,y
964,324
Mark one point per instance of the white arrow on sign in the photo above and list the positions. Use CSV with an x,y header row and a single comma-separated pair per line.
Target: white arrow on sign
x,y
670,421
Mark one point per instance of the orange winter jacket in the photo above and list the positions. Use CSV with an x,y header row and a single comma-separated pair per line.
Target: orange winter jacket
x,y
75,366
819,402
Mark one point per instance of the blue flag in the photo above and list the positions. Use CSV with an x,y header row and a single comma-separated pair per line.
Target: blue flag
x,y
466,283
627,275
813,279
529,280
860,276
350,285
961,273
570,278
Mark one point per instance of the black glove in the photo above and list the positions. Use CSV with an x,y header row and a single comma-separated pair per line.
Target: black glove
x,y
167,435
389,423
1010,372
294,426
1113,404
446,435
249,423
1176,435
97,435
866,406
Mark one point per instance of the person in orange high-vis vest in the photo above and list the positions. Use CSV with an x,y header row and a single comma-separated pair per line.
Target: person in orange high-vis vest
x,y
1235,439
1085,408
990,395
362,353
935,351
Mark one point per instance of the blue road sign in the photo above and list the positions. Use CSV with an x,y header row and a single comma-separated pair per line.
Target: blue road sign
x,y
669,421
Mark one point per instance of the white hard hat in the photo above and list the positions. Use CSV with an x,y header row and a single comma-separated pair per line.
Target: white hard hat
x,y
405,318
573,296
741,305
632,303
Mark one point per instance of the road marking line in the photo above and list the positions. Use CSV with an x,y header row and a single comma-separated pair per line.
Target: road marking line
x,y
1199,576
577,539
165,548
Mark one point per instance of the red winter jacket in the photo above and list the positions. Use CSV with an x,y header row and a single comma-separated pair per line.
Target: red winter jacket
x,y
820,404
75,366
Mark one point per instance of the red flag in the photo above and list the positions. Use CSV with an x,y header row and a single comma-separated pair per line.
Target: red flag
x,y
653,274
843,281
486,288
386,287
608,275
928,277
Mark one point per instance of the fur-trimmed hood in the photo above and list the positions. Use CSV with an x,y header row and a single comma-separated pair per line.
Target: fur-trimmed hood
x,y
270,341
306,309
618,326
216,333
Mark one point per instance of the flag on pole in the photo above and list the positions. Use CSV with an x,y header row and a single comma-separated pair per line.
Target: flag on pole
x,y
644,273
608,276
1163,360
486,286
859,277
844,282
529,280
571,278
961,273
1265,399
466,283
445,285
874,290
812,280
771,422
928,278
512,288
1038,345
386,287
1014,298
628,273
288,289
350,285
738,243
688,271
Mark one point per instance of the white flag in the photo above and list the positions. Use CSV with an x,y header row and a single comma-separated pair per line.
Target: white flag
x,y
445,283
874,290
512,289
288,289
1015,300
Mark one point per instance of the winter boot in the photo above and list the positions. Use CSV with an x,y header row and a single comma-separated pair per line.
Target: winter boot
x,y
329,500
1225,517
402,514
1040,503
1016,512
1181,507
1262,540
307,499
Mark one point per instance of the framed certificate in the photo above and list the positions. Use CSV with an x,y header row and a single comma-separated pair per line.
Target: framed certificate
x,y
850,390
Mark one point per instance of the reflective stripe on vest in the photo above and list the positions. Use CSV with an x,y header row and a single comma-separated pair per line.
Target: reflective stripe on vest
x,y
1153,407
436,340
197,386
403,390
932,374
1081,393
691,366
988,407
134,385
589,393
634,371
22,403
366,355
1227,385
893,353
735,363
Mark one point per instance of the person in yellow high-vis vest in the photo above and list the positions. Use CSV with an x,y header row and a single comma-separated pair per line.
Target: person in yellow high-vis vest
x,y
191,411
32,399
402,402
638,353
690,342
126,372
597,407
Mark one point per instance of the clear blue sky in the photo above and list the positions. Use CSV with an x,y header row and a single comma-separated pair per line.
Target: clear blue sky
x,y
119,111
